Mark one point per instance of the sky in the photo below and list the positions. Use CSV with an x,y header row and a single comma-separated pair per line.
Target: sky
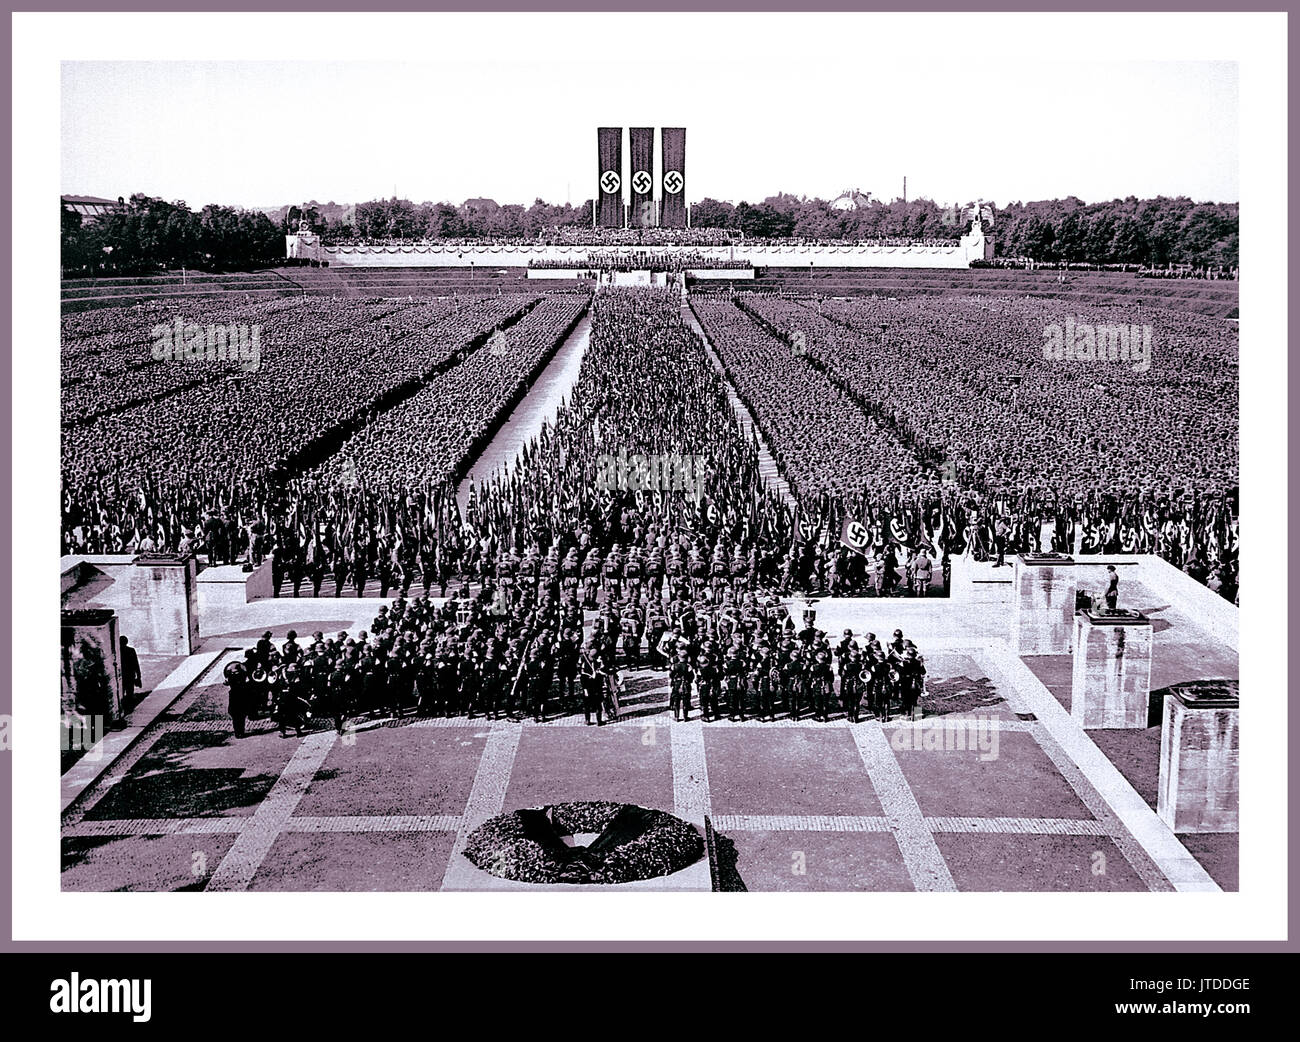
x,y
519,124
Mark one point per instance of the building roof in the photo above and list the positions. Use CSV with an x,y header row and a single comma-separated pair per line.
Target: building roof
x,y
88,200
87,206
851,199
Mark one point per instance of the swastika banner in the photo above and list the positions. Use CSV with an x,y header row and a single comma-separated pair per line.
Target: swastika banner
x,y
641,177
609,177
673,208
856,536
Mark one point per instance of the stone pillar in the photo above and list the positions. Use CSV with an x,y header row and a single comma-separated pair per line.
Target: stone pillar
x,y
1112,669
1199,758
89,634
1044,592
164,617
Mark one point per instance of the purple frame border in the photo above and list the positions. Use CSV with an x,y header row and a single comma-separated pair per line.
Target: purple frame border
x,y
7,944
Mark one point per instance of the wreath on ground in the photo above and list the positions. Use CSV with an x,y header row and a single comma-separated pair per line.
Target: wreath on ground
x,y
631,843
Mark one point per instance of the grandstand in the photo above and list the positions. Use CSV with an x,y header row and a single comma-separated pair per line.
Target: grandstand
x,y
1214,298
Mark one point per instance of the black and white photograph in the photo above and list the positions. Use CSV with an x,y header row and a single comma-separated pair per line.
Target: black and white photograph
x,y
597,454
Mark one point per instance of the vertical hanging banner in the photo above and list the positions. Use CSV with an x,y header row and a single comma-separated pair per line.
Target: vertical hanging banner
x,y
672,212
609,177
641,177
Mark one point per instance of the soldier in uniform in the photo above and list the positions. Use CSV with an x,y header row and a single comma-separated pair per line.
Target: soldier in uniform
x,y
681,676
667,647
820,680
293,706
537,682
237,680
384,567
499,676
850,687
505,576
706,683
912,681
633,570
286,562
613,571
373,681
428,565
591,569
923,571
654,573
338,697
570,566
339,570
655,622
426,680
843,648
407,565
631,638
697,568
400,680
674,569
470,683
529,570
320,681
566,664
792,676
734,669
766,680
592,677
719,571
446,670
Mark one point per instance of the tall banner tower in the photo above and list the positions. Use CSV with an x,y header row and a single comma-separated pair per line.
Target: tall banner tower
x,y
641,177
609,177
672,212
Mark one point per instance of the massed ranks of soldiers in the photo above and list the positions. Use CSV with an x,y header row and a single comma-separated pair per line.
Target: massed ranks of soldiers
x,y
510,654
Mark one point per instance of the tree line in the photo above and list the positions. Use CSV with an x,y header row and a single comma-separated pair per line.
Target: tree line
x,y
145,234
402,219
1152,232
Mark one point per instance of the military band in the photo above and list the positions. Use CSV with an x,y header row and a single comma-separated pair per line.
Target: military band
x,y
523,655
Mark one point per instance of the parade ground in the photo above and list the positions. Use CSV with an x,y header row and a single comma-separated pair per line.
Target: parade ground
x,y
995,788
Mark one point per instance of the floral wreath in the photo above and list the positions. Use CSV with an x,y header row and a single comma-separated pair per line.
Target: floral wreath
x,y
632,843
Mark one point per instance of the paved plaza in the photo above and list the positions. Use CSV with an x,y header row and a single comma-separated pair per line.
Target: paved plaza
x,y
995,789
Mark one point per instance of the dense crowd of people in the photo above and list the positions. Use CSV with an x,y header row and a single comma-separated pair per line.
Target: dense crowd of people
x,y
155,471
676,261
563,236
421,442
511,654
935,427
1215,274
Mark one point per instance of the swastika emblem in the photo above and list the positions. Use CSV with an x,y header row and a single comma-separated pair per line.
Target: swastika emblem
x,y
673,182
856,535
641,182
610,181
